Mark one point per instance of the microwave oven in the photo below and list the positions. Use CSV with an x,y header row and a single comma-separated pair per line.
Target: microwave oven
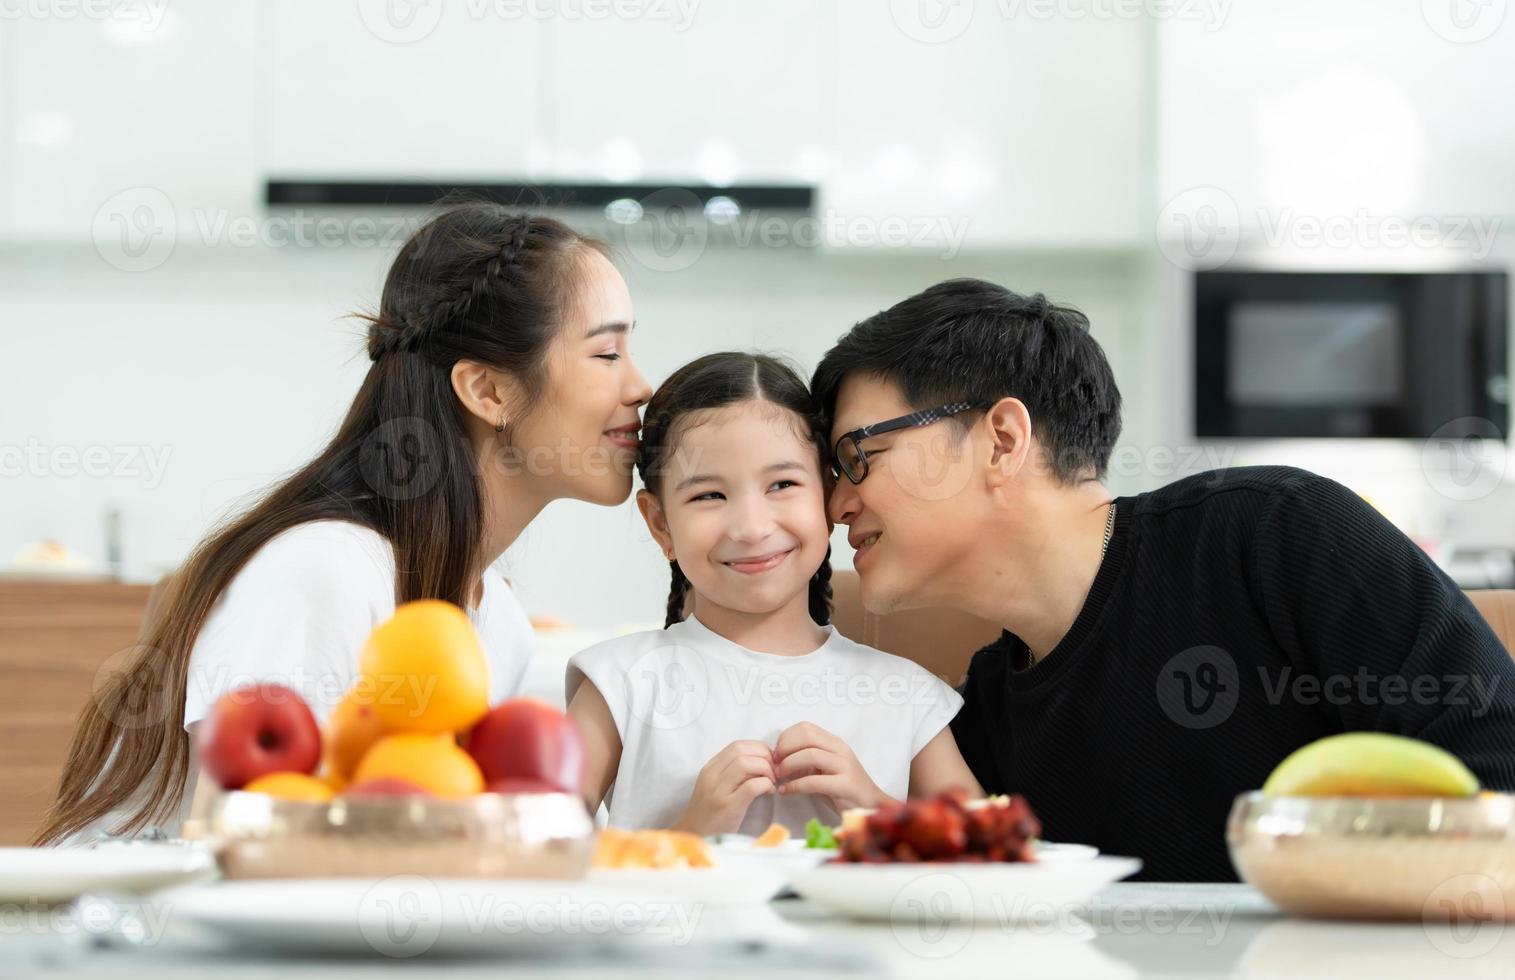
x,y
1405,355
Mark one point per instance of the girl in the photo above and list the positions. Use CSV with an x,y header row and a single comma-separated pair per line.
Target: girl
x,y
497,333
749,708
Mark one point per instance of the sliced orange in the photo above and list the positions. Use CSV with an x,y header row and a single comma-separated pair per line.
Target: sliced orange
x,y
775,835
650,849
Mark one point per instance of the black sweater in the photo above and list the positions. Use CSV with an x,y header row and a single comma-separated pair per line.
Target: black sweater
x,y
1237,615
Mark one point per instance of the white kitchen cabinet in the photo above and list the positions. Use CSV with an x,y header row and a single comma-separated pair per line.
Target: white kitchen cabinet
x,y
7,137
1343,121
692,92
153,101
990,120
393,89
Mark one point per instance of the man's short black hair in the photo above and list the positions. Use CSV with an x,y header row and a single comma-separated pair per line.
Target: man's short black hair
x,y
970,340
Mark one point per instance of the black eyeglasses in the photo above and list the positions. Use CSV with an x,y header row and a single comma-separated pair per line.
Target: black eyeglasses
x,y
848,458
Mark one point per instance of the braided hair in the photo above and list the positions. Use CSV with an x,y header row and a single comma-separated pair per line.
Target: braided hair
x,y
490,268
715,381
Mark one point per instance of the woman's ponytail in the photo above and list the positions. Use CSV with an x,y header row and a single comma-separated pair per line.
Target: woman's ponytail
x,y
478,281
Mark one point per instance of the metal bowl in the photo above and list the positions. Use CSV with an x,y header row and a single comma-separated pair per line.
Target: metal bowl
x,y
492,835
1368,858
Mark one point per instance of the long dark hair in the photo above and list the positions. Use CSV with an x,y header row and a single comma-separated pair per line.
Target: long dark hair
x,y
479,282
715,381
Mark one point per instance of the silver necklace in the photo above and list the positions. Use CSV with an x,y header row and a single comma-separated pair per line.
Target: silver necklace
x,y
1104,547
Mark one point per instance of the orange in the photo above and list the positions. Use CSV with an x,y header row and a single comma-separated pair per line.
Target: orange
x,y
334,781
291,786
353,727
425,670
432,762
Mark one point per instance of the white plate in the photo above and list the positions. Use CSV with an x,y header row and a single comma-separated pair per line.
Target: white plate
x,y
792,856
1002,893
787,859
407,915
791,853
58,874
1047,851
734,882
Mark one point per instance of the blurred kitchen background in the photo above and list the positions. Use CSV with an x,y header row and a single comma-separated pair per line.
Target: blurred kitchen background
x,y
1289,222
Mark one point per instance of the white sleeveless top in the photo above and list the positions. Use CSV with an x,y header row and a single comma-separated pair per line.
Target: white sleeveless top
x,y
678,696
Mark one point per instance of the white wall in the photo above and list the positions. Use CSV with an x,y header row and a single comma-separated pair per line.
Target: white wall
x,y
1067,145
237,364
133,147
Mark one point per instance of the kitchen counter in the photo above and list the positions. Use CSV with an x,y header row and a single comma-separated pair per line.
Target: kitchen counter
x,y
1129,930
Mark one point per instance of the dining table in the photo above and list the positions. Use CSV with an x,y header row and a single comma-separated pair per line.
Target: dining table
x,y
1127,930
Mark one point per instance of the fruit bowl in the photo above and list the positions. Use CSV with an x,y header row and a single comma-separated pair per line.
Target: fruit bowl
x,y
491,835
1344,857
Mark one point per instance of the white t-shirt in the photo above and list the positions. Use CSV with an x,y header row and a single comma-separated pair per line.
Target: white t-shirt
x,y
680,695
298,614
300,610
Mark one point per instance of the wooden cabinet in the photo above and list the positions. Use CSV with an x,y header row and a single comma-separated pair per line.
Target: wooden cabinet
x,y
54,638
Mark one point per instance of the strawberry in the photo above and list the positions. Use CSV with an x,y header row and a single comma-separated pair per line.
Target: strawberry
x,y
943,828
934,829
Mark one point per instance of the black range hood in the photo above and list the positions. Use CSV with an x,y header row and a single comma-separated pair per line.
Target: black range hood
x,y
286,192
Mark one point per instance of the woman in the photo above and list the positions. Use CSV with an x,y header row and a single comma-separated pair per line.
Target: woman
x,y
501,381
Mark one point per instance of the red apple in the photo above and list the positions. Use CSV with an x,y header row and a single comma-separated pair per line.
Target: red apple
x,y
531,740
385,786
513,785
256,730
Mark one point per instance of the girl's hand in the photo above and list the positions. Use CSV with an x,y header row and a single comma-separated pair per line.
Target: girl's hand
x,y
726,787
812,760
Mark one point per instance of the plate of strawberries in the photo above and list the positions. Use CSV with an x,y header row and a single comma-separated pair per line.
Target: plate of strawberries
x,y
949,858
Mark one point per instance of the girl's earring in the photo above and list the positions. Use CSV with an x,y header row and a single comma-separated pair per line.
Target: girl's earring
x,y
500,425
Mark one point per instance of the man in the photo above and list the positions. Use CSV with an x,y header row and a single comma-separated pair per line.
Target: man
x,y
1164,652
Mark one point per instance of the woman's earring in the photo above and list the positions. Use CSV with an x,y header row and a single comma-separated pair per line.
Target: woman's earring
x,y
500,425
